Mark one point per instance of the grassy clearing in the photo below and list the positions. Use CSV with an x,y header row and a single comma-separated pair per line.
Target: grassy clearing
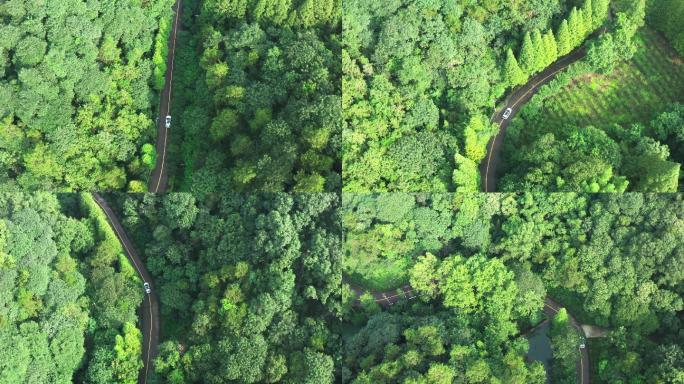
x,y
635,92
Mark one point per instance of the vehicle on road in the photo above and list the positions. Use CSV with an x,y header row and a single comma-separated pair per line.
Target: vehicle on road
x,y
507,113
148,290
168,122
583,343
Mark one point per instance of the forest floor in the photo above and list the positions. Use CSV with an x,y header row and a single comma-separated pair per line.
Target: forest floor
x,y
634,93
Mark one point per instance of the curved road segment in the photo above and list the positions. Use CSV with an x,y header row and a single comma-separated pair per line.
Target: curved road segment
x,y
551,308
515,101
159,178
150,305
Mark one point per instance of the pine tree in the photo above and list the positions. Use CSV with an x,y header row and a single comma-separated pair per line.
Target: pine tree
x,y
539,51
513,74
575,26
600,12
588,9
564,39
551,48
527,55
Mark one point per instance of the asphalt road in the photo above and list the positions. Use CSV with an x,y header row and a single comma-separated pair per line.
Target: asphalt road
x,y
515,101
149,310
159,178
551,307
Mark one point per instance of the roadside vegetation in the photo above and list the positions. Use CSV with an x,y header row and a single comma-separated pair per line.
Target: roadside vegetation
x,y
611,123
482,274
76,93
249,285
421,79
69,297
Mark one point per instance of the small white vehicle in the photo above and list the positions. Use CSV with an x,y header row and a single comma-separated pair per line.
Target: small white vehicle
x,y
148,290
582,343
168,122
507,113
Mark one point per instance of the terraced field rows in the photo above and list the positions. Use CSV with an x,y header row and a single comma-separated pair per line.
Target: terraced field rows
x,y
634,92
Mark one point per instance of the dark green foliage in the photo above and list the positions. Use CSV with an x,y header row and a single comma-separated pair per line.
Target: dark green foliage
x,y
66,286
75,97
614,260
248,284
260,96
666,16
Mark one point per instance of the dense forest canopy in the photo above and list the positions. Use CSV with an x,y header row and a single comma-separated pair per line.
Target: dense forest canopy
x,y
420,80
249,284
66,286
260,96
75,93
487,262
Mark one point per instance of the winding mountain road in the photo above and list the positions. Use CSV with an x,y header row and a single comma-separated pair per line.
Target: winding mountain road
x,y
551,308
516,101
149,309
159,179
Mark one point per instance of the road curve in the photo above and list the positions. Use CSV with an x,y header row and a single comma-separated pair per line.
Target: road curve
x,y
159,178
149,309
516,101
551,307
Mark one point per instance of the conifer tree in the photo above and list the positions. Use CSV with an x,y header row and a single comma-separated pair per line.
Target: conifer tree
x,y
588,10
575,26
564,41
513,74
539,51
550,48
528,55
599,12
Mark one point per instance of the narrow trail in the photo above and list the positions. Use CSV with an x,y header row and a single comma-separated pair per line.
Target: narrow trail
x,y
551,308
149,310
159,177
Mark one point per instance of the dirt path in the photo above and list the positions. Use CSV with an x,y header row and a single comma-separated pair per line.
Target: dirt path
x,y
159,178
149,310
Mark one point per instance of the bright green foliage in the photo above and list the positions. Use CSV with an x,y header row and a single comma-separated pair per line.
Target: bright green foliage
x,y
540,53
599,12
75,92
476,136
513,75
466,175
550,48
565,40
528,55
576,26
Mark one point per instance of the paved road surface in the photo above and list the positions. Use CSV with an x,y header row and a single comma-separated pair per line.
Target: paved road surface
x,y
516,101
159,178
149,310
551,307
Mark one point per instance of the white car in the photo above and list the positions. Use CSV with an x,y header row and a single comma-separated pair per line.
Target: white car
x,y
582,343
148,290
168,122
507,113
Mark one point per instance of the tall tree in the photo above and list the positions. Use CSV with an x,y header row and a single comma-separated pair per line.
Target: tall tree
x,y
550,48
528,58
565,41
539,50
513,75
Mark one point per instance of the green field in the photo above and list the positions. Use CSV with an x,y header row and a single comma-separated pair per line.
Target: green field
x,y
635,92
